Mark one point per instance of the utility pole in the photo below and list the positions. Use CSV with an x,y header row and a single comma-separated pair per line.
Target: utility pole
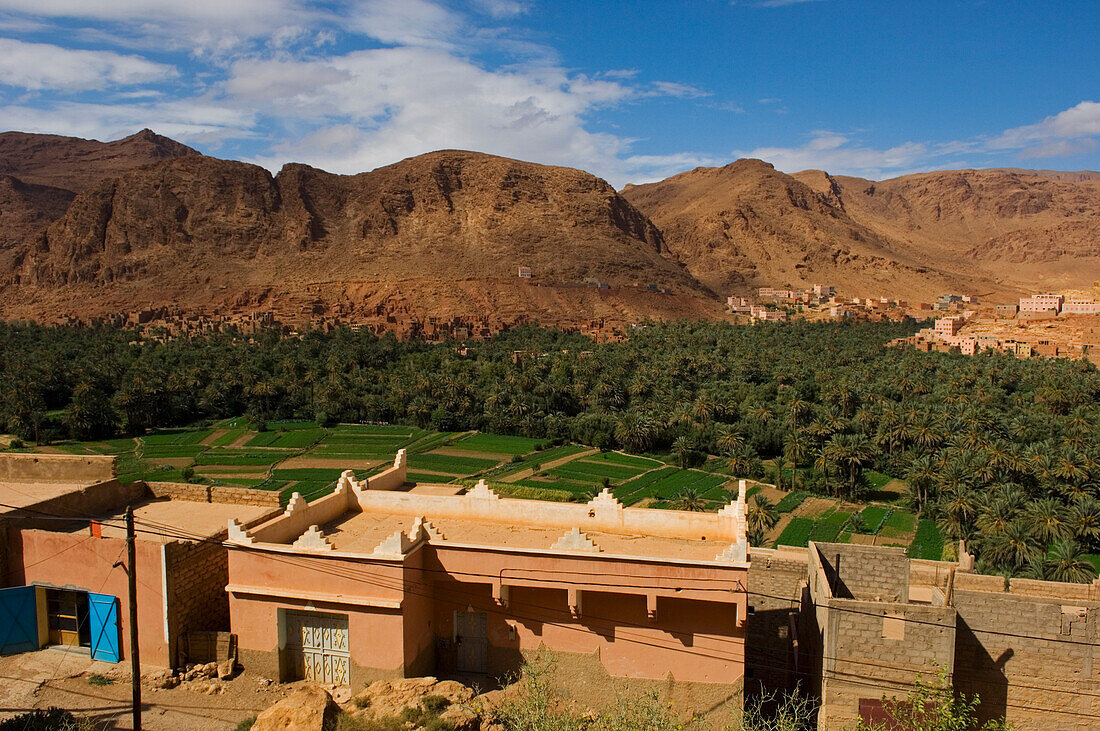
x,y
131,575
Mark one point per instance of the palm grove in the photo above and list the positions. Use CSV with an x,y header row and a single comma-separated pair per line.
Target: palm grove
x,y
1001,452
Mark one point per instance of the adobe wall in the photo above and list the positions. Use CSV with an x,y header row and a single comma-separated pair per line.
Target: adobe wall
x,y
215,494
775,595
104,497
77,561
369,592
15,467
1031,654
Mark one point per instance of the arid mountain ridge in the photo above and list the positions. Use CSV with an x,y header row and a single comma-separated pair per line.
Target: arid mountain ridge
x,y
89,228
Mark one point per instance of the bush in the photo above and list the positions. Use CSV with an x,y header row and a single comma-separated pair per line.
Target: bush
x,y
50,719
16,443
245,725
188,473
95,679
435,703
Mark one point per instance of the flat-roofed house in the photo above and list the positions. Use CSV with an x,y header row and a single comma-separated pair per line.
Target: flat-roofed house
x,y
63,542
383,579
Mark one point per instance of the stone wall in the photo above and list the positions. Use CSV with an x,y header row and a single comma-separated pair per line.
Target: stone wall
x,y
214,494
57,468
775,594
1031,658
196,577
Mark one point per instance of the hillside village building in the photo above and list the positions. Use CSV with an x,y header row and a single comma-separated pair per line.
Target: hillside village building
x,y
64,583
378,580
1042,303
383,578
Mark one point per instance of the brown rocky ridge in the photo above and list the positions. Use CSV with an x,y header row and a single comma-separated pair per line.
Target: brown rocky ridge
x,y
439,235
89,228
747,224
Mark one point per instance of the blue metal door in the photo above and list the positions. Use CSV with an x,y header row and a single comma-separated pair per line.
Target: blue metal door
x,y
18,620
103,622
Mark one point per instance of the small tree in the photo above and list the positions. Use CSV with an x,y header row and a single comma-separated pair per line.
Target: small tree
x,y
933,706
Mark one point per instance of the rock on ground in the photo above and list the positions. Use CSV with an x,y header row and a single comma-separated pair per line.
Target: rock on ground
x,y
308,708
389,697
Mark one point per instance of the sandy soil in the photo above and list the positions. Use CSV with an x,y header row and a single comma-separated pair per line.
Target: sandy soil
x,y
243,440
328,463
452,452
50,678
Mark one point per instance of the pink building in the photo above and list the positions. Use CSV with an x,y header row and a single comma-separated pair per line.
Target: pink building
x,y
386,579
1041,303
948,326
1080,307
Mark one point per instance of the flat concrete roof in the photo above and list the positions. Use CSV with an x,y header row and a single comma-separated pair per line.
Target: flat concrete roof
x,y
19,494
362,532
185,516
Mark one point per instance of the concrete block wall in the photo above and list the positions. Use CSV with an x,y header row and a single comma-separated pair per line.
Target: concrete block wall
x,y
775,585
1032,659
876,649
196,577
866,572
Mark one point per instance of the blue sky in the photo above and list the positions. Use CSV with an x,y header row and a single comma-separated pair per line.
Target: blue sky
x,y
631,91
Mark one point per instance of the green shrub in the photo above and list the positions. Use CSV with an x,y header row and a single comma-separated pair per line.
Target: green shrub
x,y
434,703
50,719
95,679
246,724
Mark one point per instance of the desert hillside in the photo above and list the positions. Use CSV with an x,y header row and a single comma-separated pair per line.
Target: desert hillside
x,y
144,223
993,232
443,234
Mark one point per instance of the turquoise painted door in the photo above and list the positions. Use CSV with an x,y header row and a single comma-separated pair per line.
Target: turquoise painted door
x,y
18,620
103,622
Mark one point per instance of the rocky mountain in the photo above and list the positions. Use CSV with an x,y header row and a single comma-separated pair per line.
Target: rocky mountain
x,y
444,233
746,225
41,174
72,163
90,228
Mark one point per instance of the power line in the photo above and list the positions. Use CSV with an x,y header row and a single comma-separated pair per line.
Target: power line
x,y
404,587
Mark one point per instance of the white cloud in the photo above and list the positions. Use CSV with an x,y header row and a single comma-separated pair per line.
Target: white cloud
x,y
37,66
502,8
837,154
406,22
1052,136
190,121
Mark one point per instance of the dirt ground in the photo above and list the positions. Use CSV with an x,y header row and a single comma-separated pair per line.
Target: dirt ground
x,y
296,463
52,678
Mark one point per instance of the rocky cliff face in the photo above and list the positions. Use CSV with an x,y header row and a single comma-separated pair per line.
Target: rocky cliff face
x,y
914,236
203,228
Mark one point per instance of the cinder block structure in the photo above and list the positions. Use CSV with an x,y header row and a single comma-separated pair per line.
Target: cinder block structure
x,y
853,624
380,579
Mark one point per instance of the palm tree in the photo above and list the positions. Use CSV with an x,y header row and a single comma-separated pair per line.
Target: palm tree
x,y
761,516
921,477
1047,518
730,439
795,451
689,499
636,433
1084,518
1066,562
683,448
1011,548
850,452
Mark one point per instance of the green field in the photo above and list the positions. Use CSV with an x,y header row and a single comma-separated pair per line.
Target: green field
x,y
240,457
873,517
450,464
797,533
900,520
827,528
790,502
496,444
638,489
595,472
229,437
928,542
292,439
